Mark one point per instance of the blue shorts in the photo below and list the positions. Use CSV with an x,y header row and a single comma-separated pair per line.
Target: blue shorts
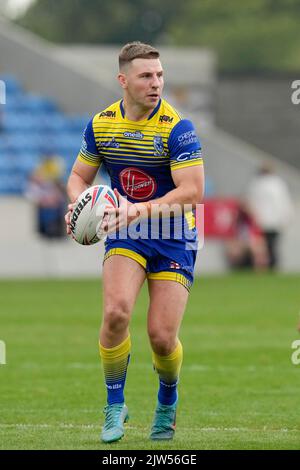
x,y
171,259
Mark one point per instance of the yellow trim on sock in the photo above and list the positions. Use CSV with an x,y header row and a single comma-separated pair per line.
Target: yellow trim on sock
x,y
128,253
115,353
115,361
168,367
171,276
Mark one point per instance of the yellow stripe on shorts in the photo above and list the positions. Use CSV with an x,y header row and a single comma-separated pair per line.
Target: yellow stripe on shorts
x,y
128,253
170,276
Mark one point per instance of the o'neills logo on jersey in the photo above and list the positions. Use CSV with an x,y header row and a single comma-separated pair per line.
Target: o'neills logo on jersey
x,y
137,135
137,184
108,114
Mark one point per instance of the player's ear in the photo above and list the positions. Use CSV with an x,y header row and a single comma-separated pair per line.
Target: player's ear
x,y
122,80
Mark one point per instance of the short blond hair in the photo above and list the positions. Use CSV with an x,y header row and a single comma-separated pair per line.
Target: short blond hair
x,y
136,50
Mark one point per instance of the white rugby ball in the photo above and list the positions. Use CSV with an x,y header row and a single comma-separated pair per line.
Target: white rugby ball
x,y
88,214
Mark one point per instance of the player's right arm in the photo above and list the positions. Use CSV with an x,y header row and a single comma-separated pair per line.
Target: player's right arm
x,y
84,170
81,177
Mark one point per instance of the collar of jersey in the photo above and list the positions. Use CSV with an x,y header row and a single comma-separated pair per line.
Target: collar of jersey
x,y
155,110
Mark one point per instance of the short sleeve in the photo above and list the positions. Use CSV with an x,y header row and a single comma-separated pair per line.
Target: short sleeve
x,y
184,146
88,152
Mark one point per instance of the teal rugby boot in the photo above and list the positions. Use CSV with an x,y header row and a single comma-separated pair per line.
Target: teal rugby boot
x,y
163,427
115,417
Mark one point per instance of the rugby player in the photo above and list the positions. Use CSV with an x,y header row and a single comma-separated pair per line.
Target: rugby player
x,y
153,158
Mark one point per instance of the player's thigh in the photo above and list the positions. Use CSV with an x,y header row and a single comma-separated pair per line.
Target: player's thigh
x,y
123,278
168,301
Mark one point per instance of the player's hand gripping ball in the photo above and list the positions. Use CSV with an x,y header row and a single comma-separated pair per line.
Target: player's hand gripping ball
x,y
89,212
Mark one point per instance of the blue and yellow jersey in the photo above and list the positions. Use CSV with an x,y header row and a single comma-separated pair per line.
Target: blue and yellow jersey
x,y
139,156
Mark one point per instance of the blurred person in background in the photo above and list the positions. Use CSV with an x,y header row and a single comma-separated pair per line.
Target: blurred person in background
x,y
46,190
247,249
271,205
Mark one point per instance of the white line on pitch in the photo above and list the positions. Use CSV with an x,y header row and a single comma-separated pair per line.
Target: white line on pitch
x,y
94,426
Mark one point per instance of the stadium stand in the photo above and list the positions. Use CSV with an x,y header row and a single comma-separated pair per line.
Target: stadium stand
x,y
32,126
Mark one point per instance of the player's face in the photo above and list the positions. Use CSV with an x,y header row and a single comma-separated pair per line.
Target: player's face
x,y
143,82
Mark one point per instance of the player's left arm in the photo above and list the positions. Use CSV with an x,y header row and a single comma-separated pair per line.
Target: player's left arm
x,y
189,189
186,168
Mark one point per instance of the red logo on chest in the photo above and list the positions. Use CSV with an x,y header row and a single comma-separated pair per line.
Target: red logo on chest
x,y
137,184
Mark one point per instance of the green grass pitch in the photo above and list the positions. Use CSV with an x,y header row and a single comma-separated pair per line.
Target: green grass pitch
x,y
238,388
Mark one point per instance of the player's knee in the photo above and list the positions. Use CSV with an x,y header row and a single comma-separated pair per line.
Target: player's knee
x,y
162,342
116,317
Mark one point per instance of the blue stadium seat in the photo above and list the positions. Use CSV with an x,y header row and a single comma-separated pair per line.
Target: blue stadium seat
x,y
12,183
78,123
27,162
34,126
39,103
55,122
4,162
30,103
12,85
16,122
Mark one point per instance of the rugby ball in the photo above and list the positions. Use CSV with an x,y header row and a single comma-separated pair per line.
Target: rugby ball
x,y
87,215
